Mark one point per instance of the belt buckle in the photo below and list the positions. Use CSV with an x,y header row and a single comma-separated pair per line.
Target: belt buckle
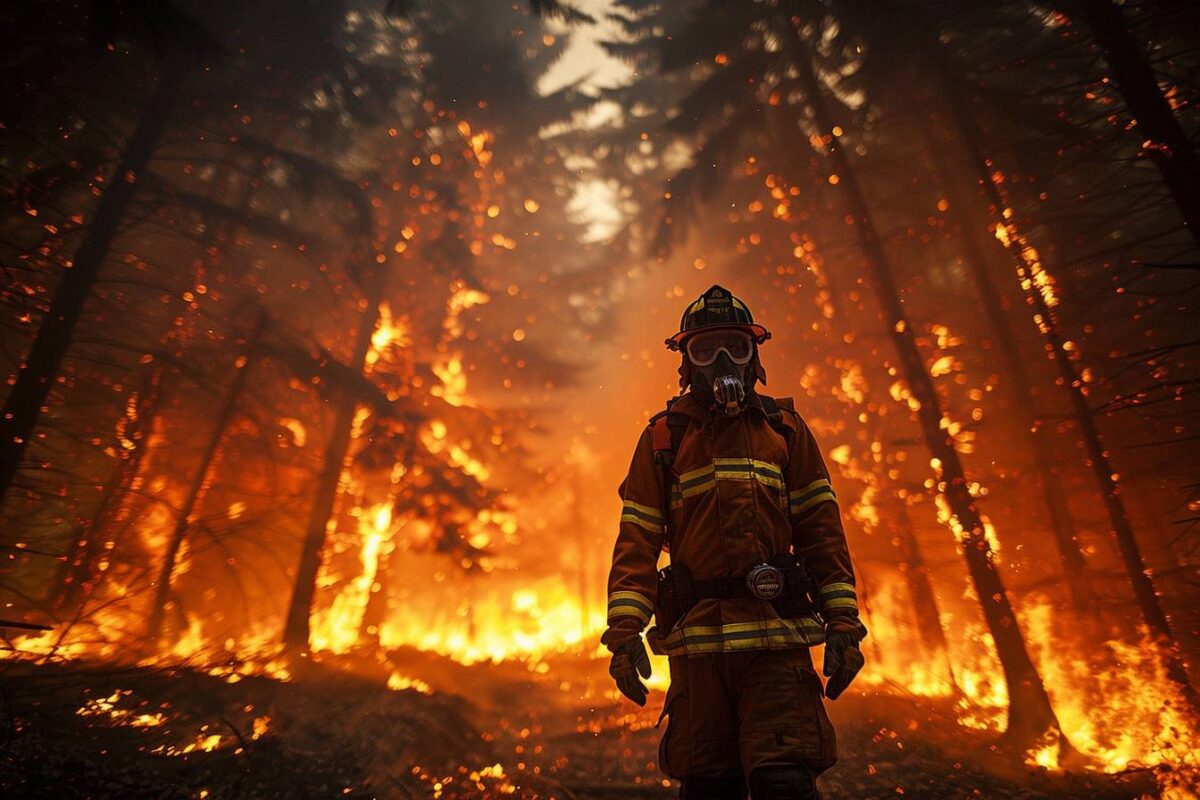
x,y
765,582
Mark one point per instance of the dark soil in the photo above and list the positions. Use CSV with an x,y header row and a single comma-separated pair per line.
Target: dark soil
x,y
334,733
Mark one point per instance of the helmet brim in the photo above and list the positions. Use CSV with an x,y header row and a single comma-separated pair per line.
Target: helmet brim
x,y
758,332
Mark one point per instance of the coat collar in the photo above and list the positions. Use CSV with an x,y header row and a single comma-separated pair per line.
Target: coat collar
x,y
688,404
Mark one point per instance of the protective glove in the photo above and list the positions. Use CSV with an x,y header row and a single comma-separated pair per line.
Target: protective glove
x,y
628,660
843,660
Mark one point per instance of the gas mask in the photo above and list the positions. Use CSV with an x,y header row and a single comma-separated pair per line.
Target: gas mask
x,y
722,369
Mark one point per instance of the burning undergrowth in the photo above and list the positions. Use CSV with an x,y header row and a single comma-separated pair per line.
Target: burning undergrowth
x,y
418,725
89,731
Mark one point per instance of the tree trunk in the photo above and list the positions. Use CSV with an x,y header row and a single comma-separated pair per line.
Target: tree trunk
x,y
920,591
200,480
296,627
1162,137
80,570
1062,526
1030,716
43,363
1031,275
127,469
375,614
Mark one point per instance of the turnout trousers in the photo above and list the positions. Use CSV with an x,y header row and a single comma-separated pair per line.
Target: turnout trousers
x,y
730,713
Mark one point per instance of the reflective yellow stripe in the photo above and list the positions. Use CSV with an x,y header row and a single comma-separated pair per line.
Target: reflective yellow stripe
x,y
629,604
798,493
676,497
649,511
749,469
687,476
838,594
626,595
653,527
702,479
796,508
765,634
699,488
723,462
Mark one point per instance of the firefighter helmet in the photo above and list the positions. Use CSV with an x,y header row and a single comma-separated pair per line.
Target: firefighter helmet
x,y
717,308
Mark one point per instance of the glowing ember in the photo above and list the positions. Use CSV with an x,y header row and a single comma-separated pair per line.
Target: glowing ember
x,y
398,683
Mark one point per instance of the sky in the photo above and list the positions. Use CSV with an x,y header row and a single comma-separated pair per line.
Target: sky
x,y
584,58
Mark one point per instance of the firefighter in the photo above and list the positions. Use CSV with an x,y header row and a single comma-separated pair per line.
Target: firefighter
x,y
731,483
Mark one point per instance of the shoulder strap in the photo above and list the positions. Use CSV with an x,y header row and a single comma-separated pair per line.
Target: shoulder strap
x,y
666,431
775,408
660,437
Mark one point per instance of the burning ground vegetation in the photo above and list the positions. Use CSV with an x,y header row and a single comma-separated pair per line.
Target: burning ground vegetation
x,y
369,727
542,720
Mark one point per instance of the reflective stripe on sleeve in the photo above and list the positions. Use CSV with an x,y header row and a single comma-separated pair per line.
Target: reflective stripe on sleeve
x,y
645,517
629,604
816,492
838,595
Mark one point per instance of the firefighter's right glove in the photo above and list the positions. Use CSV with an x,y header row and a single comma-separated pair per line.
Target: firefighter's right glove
x,y
628,661
843,660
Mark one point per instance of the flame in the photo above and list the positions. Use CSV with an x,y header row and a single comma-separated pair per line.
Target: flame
x,y
106,708
449,366
523,624
1031,272
388,333
398,683
337,628
1115,703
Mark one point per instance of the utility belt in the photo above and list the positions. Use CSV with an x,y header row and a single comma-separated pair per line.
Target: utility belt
x,y
783,581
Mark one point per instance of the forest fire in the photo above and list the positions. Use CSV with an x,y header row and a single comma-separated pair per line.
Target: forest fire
x,y
334,460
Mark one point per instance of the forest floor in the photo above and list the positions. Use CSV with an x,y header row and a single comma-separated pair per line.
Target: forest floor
x,y
493,730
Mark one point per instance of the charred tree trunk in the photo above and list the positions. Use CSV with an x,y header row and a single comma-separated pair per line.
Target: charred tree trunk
x,y
200,480
1062,526
43,363
1163,139
296,626
1029,270
1030,715
81,568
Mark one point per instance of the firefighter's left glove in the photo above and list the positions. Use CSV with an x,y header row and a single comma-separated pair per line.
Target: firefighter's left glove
x,y
843,660
628,661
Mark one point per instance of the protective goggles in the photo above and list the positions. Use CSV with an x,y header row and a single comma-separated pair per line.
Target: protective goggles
x,y
703,348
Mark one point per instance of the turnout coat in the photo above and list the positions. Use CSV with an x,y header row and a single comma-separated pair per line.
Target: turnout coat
x,y
737,493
